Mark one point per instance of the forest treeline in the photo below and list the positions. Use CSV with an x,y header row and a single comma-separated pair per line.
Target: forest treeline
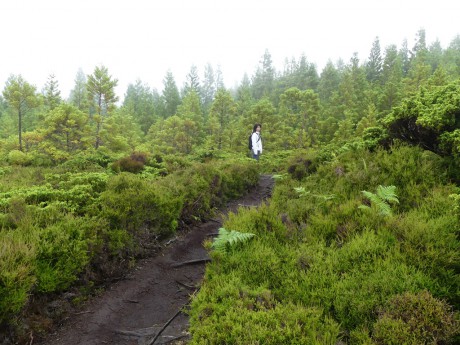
x,y
298,106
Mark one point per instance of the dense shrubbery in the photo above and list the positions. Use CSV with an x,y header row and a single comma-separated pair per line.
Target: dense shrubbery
x,y
61,229
384,278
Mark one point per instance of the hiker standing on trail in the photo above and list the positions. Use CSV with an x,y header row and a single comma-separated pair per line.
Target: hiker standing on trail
x,y
256,141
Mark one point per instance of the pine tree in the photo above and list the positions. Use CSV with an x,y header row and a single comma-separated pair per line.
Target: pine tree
x,y
51,92
79,94
21,97
192,82
208,90
101,92
140,104
374,64
170,95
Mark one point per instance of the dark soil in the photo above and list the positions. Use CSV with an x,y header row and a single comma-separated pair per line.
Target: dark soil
x,y
135,310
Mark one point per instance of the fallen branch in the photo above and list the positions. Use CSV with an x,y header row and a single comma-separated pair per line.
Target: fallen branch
x,y
191,262
164,327
130,301
187,286
84,312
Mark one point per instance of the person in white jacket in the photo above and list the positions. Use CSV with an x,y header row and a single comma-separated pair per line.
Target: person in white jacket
x,y
256,141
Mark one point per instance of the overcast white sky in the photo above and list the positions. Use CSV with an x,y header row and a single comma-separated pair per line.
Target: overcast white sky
x,y
143,39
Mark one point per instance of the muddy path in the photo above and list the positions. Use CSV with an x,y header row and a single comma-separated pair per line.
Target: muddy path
x,y
136,310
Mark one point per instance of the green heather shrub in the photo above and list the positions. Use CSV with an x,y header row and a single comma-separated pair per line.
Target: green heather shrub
x,y
62,252
261,221
132,203
361,290
416,318
16,157
302,164
238,177
87,161
432,245
232,313
16,273
337,224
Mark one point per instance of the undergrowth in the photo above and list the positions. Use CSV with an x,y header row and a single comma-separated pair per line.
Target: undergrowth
x,y
322,260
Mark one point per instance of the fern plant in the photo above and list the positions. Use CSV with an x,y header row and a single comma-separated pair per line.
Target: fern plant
x,y
381,199
228,239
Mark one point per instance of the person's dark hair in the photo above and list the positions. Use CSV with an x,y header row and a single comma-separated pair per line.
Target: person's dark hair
x,y
255,127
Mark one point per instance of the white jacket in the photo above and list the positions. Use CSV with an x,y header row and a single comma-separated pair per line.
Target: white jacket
x,y
256,142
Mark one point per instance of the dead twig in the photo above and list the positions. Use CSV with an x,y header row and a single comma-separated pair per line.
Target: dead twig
x,y
130,301
84,312
164,327
185,285
191,262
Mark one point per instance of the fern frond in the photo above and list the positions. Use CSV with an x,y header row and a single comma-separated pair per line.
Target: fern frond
x,y
227,239
387,193
384,208
279,176
364,207
301,191
374,198
381,198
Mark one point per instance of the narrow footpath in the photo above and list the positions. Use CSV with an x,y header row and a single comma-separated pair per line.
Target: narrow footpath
x,y
145,307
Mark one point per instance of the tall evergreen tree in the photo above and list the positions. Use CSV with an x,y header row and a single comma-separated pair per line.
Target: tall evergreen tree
x,y
193,121
328,83
419,70
140,104
434,55
404,54
170,95
243,97
52,94
101,92
222,114
392,72
79,94
21,97
263,80
192,82
452,58
219,79
374,63
208,90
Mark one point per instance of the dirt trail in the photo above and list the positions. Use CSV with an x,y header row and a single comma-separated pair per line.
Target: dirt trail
x,y
134,310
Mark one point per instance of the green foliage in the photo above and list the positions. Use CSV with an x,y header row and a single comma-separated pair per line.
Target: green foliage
x,y
428,119
229,239
16,157
131,203
232,313
416,319
381,199
16,273
323,252
62,252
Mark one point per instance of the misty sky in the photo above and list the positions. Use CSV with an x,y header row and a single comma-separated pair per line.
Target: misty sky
x,y
143,39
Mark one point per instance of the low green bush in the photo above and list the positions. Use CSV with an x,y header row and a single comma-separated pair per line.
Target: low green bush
x,y
62,253
17,256
235,314
416,318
